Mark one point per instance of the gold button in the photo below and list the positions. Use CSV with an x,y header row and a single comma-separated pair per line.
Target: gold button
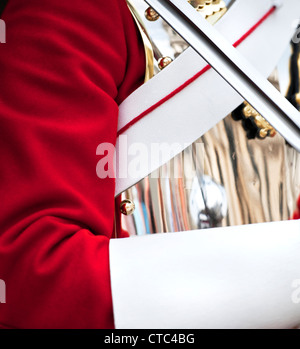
x,y
127,207
164,61
151,15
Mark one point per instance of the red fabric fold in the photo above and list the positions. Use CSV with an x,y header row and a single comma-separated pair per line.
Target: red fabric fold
x,y
64,69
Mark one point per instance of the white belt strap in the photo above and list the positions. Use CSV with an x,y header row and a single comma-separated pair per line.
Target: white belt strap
x,y
188,114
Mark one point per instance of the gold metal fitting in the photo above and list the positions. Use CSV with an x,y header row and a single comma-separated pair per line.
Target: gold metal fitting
x,y
151,15
264,128
197,3
127,207
164,61
212,10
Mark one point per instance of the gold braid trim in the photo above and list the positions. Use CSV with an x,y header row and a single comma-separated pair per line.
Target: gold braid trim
x,y
146,40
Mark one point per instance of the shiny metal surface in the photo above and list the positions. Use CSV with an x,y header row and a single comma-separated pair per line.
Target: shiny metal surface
x,y
149,52
171,201
243,181
223,179
261,178
232,66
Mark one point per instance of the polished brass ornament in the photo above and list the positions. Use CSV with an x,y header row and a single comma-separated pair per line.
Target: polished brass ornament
x,y
264,129
164,62
127,207
211,10
151,15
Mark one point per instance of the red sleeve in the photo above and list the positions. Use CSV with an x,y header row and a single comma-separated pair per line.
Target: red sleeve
x,y
64,69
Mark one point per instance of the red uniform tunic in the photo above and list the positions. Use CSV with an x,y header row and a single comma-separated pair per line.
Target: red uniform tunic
x,y
64,69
